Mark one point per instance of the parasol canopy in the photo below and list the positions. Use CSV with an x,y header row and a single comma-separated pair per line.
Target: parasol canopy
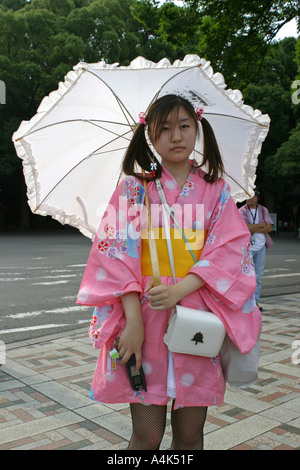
x,y
72,149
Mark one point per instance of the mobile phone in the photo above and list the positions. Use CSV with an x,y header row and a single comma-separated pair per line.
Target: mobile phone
x,y
136,378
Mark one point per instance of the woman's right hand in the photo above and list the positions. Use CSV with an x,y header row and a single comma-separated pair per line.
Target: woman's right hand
x,y
131,341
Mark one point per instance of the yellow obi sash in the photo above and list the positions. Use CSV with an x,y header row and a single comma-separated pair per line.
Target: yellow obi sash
x,y
183,259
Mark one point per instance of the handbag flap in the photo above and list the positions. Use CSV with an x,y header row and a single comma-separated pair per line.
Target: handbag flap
x,y
192,331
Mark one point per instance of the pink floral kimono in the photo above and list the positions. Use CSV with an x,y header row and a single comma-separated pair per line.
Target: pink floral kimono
x,y
119,263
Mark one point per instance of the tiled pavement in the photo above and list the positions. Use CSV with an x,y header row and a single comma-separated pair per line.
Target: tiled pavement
x,y
44,388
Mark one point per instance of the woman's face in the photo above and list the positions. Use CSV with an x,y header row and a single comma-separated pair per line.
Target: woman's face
x,y
176,141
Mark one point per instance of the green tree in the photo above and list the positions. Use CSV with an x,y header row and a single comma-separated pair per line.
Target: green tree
x,y
282,166
58,7
40,41
233,34
286,161
13,4
276,174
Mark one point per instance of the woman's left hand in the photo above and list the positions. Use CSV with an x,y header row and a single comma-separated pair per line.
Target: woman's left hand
x,y
161,297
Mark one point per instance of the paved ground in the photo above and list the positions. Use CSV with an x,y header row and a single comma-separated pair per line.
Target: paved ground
x,y
44,388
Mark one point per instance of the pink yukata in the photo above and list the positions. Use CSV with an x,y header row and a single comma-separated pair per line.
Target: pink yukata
x,y
114,268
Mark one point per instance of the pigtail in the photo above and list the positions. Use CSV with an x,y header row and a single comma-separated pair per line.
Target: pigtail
x,y
211,155
140,153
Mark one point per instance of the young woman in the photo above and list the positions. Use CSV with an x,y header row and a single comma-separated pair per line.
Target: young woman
x,y
131,315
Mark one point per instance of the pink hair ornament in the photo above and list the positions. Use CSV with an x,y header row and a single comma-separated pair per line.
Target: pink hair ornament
x,y
142,119
199,112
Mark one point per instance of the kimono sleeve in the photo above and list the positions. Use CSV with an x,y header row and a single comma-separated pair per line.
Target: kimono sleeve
x,y
114,264
226,262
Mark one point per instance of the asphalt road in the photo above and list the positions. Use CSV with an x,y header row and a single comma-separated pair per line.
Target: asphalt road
x,y
40,275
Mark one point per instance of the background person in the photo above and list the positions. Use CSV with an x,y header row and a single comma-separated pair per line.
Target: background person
x,y
259,222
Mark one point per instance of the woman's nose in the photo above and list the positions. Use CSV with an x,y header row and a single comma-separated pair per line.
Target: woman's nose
x,y
176,135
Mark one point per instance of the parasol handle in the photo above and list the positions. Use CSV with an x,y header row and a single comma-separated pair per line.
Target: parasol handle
x,y
152,244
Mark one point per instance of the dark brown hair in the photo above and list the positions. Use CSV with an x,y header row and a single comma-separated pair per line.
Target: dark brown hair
x,y
140,153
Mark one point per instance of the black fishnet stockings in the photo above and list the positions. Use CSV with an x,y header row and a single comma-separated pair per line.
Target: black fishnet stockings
x,y
149,423
187,426
148,426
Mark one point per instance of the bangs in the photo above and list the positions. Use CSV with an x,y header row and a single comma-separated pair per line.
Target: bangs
x,y
160,119
166,106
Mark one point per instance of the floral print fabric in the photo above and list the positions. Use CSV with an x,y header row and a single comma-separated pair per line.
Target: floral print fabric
x,y
114,269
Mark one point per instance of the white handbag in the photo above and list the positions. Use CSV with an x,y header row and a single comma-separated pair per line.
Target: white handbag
x,y
189,331
192,331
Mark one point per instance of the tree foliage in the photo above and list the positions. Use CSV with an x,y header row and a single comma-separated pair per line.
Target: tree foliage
x,y
233,34
272,94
